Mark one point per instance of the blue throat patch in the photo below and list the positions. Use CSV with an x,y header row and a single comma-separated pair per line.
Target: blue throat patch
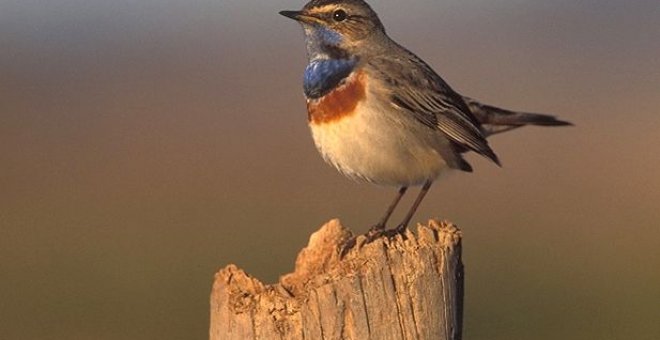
x,y
323,75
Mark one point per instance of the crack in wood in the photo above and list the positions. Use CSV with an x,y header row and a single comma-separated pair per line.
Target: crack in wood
x,y
396,288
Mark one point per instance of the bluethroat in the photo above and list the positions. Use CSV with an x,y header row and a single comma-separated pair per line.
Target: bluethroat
x,y
380,114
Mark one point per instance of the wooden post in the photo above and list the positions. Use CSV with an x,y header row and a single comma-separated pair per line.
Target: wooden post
x,y
404,287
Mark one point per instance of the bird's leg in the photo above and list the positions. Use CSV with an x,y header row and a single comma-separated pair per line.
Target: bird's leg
x,y
404,224
377,229
380,226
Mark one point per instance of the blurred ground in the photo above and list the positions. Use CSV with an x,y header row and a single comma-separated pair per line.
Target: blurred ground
x,y
144,144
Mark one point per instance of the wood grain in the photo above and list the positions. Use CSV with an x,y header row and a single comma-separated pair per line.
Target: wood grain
x,y
403,287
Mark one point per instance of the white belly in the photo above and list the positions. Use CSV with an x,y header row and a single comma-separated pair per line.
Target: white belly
x,y
380,145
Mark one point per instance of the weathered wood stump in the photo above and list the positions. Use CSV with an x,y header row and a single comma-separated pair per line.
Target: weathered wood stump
x,y
404,287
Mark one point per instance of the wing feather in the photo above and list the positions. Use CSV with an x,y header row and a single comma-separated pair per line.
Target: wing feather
x,y
420,92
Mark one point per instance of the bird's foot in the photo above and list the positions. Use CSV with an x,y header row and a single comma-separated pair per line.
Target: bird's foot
x,y
373,233
401,229
390,233
347,246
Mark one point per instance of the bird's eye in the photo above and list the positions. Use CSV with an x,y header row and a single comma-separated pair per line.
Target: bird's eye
x,y
339,15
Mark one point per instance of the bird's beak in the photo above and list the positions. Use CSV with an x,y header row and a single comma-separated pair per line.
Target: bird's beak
x,y
300,16
292,14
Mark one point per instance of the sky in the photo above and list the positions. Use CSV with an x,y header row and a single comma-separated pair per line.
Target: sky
x,y
146,144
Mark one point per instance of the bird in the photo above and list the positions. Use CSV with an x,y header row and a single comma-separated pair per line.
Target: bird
x,y
379,113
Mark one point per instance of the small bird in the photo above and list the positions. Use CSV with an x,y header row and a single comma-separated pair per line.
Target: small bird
x,y
380,114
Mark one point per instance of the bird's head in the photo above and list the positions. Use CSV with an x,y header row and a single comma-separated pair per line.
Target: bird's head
x,y
338,28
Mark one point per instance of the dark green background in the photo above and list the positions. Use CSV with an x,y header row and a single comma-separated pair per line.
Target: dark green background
x,y
145,144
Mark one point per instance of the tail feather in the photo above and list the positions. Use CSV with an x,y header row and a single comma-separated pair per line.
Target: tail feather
x,y
496,120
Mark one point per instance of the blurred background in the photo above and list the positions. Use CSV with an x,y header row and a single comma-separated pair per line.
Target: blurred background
x,y
146,144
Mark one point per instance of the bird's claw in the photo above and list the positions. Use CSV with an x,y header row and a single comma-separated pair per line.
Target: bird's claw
x,y
371,235
347,246
401,229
